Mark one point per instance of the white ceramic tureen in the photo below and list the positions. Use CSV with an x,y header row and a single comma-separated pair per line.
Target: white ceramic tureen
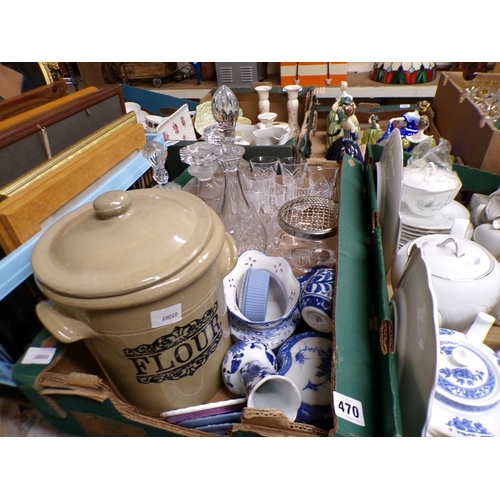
x,y
465,277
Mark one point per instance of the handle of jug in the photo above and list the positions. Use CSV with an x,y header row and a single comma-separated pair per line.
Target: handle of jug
x,y
61,324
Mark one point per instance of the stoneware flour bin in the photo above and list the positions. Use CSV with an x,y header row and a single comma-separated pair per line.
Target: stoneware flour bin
x,y
137,275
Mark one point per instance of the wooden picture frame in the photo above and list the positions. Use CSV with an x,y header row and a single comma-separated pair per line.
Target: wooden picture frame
x,y
47,167
23,213
32,98
29,140
15,127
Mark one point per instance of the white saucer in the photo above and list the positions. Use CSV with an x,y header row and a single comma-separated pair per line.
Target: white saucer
x,y
416,333
442,220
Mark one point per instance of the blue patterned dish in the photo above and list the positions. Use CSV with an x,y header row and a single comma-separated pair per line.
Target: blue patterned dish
x,y
225,418
219,429
306,359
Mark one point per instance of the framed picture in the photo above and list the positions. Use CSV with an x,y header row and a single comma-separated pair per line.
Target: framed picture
x,y
59,180
35,136
32,98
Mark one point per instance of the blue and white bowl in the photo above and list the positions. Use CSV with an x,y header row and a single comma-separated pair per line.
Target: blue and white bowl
x,y
316,298
283,291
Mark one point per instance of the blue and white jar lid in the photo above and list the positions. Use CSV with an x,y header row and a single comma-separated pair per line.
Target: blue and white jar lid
x,y
469,375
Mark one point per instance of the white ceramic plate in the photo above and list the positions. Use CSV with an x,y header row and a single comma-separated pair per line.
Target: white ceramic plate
x,y
178,126
207,409
442,220
389,193
416,334
306,359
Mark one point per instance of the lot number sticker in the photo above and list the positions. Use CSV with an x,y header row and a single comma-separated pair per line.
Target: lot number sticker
x,y
348,408
38,356
166,316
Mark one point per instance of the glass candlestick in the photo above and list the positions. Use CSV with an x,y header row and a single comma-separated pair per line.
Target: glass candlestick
x,y
203,165
156,155
241,219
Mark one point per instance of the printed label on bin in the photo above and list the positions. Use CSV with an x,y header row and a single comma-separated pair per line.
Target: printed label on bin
x,y
166,316
348,408
38,356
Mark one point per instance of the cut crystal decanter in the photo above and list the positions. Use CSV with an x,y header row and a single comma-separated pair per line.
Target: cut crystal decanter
x,y
240,218
203,166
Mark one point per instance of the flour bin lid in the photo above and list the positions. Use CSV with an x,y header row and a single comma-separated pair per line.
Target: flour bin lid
x,y
124,242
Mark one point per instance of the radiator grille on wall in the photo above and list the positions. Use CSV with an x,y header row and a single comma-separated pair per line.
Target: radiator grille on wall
x,y
236,74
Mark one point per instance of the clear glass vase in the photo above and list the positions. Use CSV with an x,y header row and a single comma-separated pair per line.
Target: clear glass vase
x,y
204,167
240,218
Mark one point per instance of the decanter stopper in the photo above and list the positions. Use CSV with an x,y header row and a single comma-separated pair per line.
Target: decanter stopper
x,y
225,110
156,155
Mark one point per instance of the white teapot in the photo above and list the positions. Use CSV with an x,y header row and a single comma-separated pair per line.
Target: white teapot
x,y
465,277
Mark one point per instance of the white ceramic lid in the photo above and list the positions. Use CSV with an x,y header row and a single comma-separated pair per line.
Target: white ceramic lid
x,y
469,375
455,258
125,241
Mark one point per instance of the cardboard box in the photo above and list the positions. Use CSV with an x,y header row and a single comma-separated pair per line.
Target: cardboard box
x,y
460,122
319,74
473,181
74,396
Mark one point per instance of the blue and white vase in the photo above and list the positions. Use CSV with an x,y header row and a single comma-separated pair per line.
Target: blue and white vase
x,y
250,369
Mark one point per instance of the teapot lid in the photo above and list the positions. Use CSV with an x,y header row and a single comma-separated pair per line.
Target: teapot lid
x,y
123,242
455,258
469,374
